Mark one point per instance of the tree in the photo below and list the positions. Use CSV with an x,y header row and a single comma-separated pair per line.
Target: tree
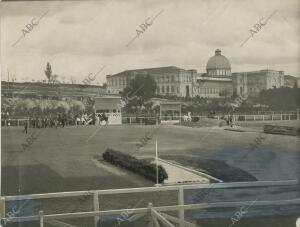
x,y
283,98
140,90
48,72
224,93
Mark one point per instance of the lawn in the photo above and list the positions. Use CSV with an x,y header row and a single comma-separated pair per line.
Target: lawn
x,y
63,160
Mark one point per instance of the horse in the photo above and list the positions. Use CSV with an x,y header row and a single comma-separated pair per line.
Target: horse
x,y
187,118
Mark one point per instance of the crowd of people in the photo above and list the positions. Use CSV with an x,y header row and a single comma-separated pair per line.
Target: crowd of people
x,y
47,122
62,120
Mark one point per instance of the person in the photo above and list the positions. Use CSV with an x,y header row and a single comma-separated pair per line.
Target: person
x,y
77,120
55,122
63,120
227,120
25,127
97,119
82,120
230,121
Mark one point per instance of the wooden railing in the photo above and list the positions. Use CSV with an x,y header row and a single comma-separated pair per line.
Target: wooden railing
x,y
153,213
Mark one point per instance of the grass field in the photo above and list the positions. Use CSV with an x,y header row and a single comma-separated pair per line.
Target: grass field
x,y
63,159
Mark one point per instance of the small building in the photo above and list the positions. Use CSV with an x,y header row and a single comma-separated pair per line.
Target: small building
x,y
111,107
170,112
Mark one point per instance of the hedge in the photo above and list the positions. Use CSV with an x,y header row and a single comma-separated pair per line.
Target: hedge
x,y
142,167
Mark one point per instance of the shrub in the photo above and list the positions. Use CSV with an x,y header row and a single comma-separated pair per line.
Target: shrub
x,y
141,167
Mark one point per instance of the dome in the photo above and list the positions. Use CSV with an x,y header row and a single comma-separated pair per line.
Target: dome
x,y
218,61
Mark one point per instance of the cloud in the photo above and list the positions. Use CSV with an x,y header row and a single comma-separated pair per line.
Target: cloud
x,y
79,37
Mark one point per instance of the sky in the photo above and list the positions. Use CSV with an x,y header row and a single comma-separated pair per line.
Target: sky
x,y
80,37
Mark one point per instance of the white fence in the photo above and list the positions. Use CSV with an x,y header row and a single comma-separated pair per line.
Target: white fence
x,y
155,120
153,213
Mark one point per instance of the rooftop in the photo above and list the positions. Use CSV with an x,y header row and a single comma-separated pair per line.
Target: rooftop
x,y
157,70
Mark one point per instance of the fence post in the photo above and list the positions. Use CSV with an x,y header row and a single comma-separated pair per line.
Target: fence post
x,y
130,120
181,202
254,117
298,114
18,122
2,207
281,116
263,117
96,206
289,117
150,219
41,214
271,117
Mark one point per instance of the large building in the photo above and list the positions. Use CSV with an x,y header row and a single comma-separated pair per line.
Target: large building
x,y
217,81
170,80
218,66
290,81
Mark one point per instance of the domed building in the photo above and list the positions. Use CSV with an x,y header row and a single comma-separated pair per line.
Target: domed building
x,y
216,82
218,66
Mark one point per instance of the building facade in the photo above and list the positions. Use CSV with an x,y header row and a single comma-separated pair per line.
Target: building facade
x,y
170,80
290,81
252,83
218,80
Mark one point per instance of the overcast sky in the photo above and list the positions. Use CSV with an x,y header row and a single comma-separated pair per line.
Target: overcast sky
x,y
80,37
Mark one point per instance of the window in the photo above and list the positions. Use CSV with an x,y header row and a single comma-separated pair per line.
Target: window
x,y
168,89
177,89
172,78
163,89
172,89
158,90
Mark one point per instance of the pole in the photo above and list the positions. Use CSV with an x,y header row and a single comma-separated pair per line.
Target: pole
x,y
181,202
96,207
41,218
156,163
150,219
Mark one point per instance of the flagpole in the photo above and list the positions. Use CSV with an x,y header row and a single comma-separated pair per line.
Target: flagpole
x,y
156,162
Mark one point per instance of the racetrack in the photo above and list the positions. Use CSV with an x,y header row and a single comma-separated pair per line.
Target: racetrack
x,y
63,160
66,154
